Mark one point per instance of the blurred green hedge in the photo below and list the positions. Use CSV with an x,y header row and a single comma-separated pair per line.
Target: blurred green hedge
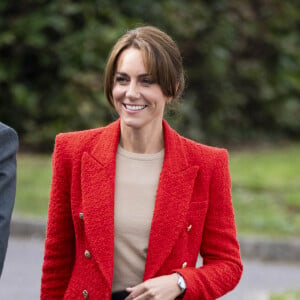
x,y
241,58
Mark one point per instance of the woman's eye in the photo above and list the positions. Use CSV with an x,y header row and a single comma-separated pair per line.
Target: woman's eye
x,y
147,81
121,79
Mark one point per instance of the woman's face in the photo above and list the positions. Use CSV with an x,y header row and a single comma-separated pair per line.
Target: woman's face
x,y
138,100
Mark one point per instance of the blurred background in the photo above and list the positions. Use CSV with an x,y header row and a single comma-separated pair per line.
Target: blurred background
x,y
242,63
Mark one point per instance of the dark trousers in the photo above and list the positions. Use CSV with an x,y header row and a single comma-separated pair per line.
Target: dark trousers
x,y
119,295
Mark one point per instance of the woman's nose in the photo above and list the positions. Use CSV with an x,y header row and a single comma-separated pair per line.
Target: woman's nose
x,y
133,91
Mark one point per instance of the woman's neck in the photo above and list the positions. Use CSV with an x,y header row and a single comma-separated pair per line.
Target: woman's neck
x,y
142,140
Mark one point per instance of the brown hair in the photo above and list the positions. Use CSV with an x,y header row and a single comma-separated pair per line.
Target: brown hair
x,y
161,57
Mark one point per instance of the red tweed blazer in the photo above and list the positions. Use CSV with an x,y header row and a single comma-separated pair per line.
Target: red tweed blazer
x,y
193,214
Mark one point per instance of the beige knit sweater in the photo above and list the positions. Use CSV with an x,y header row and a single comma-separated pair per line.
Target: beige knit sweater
x,y
136,183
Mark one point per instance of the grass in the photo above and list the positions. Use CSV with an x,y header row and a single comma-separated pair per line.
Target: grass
x,y
33,184
265,189
274,169
286,296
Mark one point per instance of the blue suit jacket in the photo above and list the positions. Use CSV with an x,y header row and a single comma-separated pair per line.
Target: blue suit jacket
x,y
8,148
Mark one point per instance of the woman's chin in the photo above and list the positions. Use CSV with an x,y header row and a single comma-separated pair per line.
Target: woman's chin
x,y
133,123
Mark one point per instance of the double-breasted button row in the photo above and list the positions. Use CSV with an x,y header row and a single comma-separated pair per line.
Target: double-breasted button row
x,y
188,228
88,255
85,294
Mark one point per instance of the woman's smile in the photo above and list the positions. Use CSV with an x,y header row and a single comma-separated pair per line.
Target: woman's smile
x,y
134,107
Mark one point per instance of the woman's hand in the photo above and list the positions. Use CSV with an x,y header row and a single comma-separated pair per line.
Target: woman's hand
x,y
158,288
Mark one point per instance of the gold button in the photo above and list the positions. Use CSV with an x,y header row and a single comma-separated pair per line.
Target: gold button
x,y
184,264
85,294
189,227
81,216
87,254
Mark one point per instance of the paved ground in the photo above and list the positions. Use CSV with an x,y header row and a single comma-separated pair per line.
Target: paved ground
x,y
21,275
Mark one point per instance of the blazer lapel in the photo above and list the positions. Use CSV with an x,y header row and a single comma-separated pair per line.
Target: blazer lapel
x,y
174,193
97,183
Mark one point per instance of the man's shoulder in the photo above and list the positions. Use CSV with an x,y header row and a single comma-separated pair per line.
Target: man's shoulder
x,y
6,130
9,141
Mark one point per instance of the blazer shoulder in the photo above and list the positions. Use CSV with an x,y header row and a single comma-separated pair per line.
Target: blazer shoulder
x,y
204,154
71,143
77,138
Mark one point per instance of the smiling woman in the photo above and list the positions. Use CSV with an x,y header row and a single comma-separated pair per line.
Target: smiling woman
x,y
161,58
140,103
133,204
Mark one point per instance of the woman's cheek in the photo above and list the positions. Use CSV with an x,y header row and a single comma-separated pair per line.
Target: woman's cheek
x,y
117,92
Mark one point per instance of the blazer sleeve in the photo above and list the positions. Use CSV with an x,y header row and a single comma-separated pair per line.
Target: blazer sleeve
x,y
59,243
8,149
222,266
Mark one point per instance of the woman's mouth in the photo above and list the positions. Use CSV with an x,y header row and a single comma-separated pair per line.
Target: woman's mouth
x,y
134,107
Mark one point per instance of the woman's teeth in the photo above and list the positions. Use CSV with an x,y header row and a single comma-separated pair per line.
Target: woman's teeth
x,y
134,107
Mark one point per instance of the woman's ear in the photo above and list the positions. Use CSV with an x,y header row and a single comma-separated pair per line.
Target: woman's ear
x,y
169,100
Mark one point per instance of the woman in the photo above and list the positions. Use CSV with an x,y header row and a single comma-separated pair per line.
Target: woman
x,y
134,203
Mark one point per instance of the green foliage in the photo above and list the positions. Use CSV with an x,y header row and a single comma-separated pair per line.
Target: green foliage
x,y
52,59
241,57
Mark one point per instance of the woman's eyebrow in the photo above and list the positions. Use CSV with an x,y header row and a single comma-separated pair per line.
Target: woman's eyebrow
x,y
141,75
145,75
121,73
